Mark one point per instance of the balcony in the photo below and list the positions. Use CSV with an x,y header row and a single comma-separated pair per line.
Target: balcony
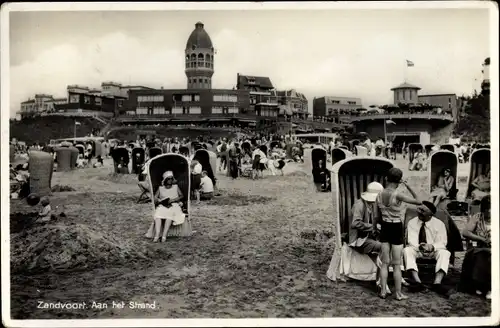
x,y
402,116
201,118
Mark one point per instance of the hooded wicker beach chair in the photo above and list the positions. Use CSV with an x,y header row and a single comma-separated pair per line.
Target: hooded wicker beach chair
x,y
351,177
179,165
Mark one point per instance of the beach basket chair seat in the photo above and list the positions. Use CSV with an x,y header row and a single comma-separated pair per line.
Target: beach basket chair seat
x,y
184,150
138,159
81,149
339,154
480,163
67,158
41,168
208,161
412,150
428,149
448,147
179,165
351,177
154,151
440,160
121,159
318,154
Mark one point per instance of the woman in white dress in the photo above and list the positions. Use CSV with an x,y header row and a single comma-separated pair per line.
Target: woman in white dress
x,y
168,197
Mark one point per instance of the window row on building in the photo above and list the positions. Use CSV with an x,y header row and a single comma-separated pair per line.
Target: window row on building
x,y
198,80
199,57
269,112
156,98
225,98
75,99
199,64
160,110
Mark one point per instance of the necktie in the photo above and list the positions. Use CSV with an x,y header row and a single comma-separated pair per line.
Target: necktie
x,y
422,237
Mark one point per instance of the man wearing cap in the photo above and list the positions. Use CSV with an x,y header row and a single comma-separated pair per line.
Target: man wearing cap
x,y
427,237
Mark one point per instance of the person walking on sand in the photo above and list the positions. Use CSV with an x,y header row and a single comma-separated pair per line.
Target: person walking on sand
x,y
390,204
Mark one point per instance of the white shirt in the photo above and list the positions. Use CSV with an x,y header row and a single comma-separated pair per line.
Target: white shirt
x,y
435,232
368,144
257,151
197,169
206,185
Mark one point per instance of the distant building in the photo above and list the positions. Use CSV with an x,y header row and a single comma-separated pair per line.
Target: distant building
x,y
199,60
334,107
40,104
262,100
185,101
82,99
296,101
448,102
413,123
126,88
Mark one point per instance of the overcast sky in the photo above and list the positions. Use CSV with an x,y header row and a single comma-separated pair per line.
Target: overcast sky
x,y
351,53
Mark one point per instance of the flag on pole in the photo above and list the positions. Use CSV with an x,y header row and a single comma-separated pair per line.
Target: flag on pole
x,y
77,123
409,63
390,122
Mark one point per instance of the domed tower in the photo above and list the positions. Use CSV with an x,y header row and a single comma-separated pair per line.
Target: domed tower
x,y
199,59
405,93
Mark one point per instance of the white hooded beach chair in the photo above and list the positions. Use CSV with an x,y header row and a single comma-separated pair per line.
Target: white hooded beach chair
x,y
351,177
179,165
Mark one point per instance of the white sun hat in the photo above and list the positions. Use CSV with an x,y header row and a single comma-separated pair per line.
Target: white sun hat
x,y
168,174
372,190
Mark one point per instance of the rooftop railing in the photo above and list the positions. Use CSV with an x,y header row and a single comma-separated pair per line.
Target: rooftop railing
x,y
406,115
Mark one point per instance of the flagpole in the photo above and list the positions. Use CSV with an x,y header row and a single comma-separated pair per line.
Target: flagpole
x,y
385,130
406,70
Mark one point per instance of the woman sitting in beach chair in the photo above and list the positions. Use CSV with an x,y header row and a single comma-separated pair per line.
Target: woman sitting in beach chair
x,y
443,166
480,165
481,185
160,171
417,163
476,268
168,199
443,187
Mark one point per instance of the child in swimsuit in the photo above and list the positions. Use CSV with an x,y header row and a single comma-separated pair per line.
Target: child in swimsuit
x,y
390,203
